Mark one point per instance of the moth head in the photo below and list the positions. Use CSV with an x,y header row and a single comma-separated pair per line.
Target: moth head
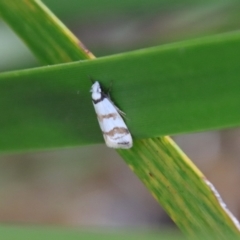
x,y
96,88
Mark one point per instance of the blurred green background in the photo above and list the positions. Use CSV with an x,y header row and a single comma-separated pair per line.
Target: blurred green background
x,y
82,188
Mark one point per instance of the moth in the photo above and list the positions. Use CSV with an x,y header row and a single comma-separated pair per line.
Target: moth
x,y
114,129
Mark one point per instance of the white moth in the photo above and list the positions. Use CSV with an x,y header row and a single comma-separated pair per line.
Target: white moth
x,y
115,131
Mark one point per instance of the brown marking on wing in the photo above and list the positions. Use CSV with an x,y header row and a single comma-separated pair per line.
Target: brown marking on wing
x,y
110,115
119,130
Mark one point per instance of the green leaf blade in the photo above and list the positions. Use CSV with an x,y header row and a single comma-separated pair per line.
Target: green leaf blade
x,y
43,32
180,188
171,89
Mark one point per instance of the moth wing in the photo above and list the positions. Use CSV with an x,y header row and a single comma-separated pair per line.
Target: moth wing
x,y
115,131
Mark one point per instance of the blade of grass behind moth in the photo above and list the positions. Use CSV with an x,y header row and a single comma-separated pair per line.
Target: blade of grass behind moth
x,y
183,191
159,163
47,37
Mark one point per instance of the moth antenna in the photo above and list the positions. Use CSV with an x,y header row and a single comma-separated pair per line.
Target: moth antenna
x,y
91,79
110,88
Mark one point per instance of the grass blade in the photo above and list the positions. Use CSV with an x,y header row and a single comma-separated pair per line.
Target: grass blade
x,y
45,35
171,89
180,188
